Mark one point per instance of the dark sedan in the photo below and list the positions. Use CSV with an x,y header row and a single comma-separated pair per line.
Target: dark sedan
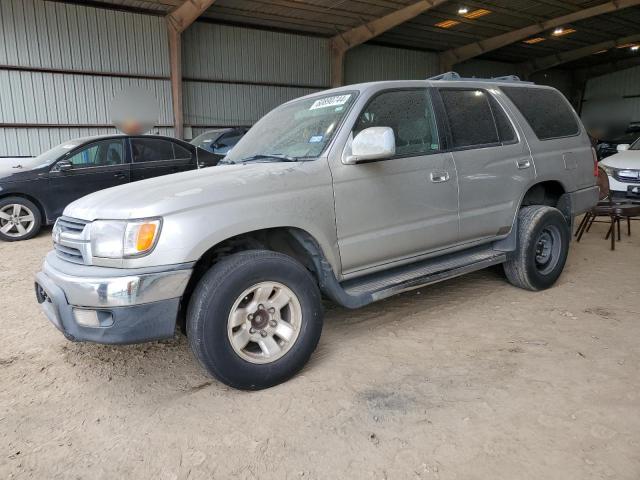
x,y
35,191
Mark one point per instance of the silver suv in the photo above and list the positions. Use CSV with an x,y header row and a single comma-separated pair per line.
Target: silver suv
x,y
356,193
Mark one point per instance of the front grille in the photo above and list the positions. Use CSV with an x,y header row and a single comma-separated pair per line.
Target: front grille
x,y
69,240
68,224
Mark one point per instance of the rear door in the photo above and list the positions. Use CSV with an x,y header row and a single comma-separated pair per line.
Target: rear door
x,y
492,160
560,145
95,166
153,157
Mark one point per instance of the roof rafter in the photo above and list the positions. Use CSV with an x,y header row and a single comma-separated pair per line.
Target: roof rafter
x,y
343,41
471,50
559,58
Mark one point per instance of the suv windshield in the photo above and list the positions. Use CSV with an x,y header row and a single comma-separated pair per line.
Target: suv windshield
x,y
295,131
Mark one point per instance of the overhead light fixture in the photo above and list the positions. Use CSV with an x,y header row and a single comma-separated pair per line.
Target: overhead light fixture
x,y
559,32
635,48
626,45
601,51
532,41
447,23
463,10
481,12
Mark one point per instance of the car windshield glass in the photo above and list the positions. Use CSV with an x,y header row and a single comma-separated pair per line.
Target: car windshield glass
x,y
48,157
298,130
204,140
635,145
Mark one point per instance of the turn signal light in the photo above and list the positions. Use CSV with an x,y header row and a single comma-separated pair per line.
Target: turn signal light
x,y
146,236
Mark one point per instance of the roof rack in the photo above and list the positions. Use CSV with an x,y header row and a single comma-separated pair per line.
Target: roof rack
x,y
454,76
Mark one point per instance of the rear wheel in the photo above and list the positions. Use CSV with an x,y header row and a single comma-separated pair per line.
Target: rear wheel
x,y
20,219
543,245
254,319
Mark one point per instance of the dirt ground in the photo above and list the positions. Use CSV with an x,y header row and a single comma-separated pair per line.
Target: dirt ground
x,y
468,379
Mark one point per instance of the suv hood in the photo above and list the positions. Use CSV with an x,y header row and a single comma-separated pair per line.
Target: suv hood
x,y
628,159
169,194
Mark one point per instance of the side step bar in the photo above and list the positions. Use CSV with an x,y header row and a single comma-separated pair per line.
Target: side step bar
x,y
362,291
385,284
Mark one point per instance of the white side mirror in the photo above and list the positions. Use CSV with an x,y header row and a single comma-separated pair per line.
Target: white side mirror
x,y
623,147
373,143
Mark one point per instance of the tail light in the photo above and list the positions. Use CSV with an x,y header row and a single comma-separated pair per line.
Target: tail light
x,y
595,161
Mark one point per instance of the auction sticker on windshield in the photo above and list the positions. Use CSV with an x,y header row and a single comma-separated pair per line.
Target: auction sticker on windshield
x,y
330,102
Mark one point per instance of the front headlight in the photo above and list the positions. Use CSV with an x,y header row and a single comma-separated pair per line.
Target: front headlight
x,y
124,239
609,170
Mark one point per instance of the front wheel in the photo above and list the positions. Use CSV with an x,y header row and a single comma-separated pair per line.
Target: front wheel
x,y
254,319
20,219
543,245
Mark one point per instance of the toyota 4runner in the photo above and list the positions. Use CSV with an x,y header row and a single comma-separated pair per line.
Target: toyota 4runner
x,y
355,193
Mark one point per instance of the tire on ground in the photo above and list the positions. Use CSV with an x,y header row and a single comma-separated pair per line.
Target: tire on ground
x,y
215,296
536,224
13,235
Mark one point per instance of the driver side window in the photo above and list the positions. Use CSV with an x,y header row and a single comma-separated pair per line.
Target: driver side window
x,y
410,114
99,154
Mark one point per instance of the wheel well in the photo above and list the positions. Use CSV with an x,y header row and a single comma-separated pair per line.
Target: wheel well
x,y
35,201
544,193
279,240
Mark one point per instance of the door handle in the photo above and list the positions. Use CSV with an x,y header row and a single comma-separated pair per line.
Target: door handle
x,y
119,175
439,177
524,163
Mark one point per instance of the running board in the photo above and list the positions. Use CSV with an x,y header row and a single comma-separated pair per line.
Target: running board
x,y
380,285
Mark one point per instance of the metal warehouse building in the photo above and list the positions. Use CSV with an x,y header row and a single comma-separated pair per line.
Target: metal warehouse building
x,y
62,62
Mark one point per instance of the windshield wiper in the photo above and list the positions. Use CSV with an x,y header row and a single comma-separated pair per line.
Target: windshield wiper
x,y
274,156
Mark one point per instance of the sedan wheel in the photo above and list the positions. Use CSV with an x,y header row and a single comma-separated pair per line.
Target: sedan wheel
x,y
16,221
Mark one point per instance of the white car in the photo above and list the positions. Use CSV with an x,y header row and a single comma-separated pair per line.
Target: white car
x,y
623,169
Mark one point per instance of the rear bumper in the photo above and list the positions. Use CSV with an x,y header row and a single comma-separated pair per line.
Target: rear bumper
x,y
137,306
583,200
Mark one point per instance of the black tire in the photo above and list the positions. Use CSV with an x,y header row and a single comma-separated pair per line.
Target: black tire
x,y
215,296
543,245
14,235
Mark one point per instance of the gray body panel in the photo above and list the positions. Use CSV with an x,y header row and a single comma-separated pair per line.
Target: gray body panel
x,y
364,217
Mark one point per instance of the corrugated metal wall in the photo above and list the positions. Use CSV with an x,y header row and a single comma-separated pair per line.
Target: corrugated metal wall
x,y
623,85
61,65
233,75
367,63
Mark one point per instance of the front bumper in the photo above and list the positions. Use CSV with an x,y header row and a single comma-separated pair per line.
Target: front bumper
x,y
108,305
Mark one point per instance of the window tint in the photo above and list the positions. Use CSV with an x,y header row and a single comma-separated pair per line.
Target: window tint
x,y
505,129
546,111
410,114
181,152
470,118
99,154
151,150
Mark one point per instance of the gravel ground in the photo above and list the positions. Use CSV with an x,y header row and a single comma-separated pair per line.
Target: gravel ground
x,y
468,379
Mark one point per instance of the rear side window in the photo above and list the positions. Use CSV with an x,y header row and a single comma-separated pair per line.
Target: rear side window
x,y
470,118
410,114
546,110
505,129
151,150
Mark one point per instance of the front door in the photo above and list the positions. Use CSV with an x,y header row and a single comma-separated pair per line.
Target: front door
x,y
95,166
404,206
493,162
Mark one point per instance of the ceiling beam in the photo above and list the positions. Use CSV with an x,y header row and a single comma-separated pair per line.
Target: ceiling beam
x,y
187,13
342,42
177,22
460,54
545,63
